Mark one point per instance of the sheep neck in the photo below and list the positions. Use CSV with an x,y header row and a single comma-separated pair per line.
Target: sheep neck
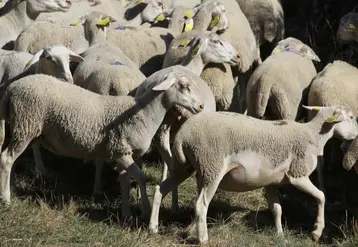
x,y
323,134
96,35
20,16
153,106
194,64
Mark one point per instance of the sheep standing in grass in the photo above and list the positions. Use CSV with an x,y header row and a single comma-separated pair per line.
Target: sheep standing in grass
x,y
18,14
106,70
75,122
279,86
336,84
249,154
52,60
266,20
205,48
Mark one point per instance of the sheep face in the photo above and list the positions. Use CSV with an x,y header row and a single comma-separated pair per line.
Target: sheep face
x,y
180,89
43,6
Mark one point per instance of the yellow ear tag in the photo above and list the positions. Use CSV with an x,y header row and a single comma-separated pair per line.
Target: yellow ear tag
x,y
184,43
104,22
332,118
188,14
277,50
160,17
215,22
75,23
188,26
317,108
195,50
352,26
140,1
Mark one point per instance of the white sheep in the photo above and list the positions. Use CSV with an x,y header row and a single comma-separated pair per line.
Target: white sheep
x,y
266,20
18,14
239,153
205,48
52,60
107,70
336,84
74,122
348,28
279,86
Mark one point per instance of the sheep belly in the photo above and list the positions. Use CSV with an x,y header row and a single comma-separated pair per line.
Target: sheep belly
x,y
250,170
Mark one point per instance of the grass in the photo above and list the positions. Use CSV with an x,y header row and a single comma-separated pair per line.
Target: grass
x,y
61,212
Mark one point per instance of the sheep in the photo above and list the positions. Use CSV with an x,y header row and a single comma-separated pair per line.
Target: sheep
x,y
51,60
335,84
106,70
121,127
231,18
348,28
45,32
205,48
351,157
279,86
18,14
277,152
266,20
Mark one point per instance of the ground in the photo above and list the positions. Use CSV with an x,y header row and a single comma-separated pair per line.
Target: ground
x,y
61,212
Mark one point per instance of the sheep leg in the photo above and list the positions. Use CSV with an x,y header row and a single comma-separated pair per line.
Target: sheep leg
x,y
7,159
319,170
2,133
97,189
125,186
275,206
39,164
174,180
127,163
166,154
304,184
207,193
139,162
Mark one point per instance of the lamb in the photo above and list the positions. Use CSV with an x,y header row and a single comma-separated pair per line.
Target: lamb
x,y
348,28
51,60
205,48
251,153
18,14
336,84
106,70
42,108
266,20
243,41
42,33
279,86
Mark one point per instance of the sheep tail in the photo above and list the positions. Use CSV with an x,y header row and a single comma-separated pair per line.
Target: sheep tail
x,y
263,95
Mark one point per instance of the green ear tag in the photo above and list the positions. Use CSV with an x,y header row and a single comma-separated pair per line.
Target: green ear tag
x,y
160,17
75,23
195,50
184,43
317,108
104,22
215,22
332,118
188,26
188,14
277,50
352,26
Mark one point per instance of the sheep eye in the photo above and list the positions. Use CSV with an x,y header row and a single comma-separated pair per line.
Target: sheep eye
x,y
217,41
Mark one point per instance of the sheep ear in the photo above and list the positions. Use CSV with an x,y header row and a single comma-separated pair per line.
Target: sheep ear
x,y
142,1
34,59
81,20
75,57
198,47
167,83
308,52
312,108
104,22
338,116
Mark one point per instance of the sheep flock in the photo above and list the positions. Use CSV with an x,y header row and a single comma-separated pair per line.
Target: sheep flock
x,y
248,95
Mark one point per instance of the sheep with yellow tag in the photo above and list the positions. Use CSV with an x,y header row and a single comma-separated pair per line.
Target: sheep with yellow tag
x,y
335,84
348,28
250,154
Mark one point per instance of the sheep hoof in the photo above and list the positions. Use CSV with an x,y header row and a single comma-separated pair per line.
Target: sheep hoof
x,y
153,229
315,237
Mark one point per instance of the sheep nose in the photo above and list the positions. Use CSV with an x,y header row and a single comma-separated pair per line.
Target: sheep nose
x,y
69,2
201,107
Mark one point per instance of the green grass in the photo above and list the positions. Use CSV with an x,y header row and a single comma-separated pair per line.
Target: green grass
x,y
61,212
